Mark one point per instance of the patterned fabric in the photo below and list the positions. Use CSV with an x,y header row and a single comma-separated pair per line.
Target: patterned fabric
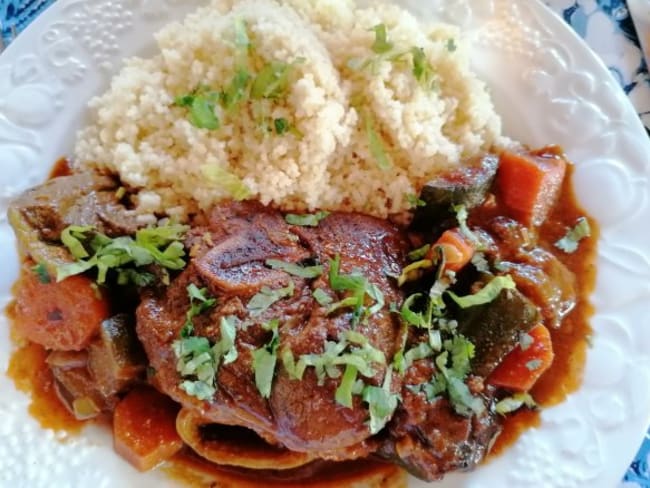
x,y
604,24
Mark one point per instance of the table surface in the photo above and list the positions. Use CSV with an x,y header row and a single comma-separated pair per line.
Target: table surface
x,y
589,18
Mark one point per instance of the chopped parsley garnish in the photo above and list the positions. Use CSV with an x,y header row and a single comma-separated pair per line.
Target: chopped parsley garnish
x,y
223,178
295,269
422,70
461,217
381,403
451,45
486,294
272,81
161,246
241,34
569,243
265,359
412,271
199,303
321,297
513,403
306,220
419,253
480,262
357,287
343,395
201,105
198,361
41,271
281,126
236,91
267,297
414,201
381,45
416,319
376,145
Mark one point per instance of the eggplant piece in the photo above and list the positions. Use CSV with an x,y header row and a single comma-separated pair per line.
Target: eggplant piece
x,y
40,214
77,391
466,186
495,328
116,359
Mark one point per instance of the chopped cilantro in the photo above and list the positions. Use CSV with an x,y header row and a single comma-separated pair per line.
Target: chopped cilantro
x,y
281,125
201,105
160,246
422,70
451,45
480,262
223,178
412,271
272,81
241,34
461,217
381,45
416,319
199,303
343,393
295,269
321,297
359,287
419,253
235,92
515,402
381,403
414,201
421,351
41,271
376,145
267,297
486,294
569,243
265,359
306,220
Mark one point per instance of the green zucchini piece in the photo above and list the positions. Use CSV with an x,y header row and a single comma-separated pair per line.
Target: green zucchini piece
x,y
467,186
495,328
116,359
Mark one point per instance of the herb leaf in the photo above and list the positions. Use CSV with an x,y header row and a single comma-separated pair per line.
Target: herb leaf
x,y
569,243
376,145
223,178
306,220
199,303
381,403
41,271
381,44
265,359
321,297
295,269
515,402
343,393
155,245
267,297
486,294
272,81
419,253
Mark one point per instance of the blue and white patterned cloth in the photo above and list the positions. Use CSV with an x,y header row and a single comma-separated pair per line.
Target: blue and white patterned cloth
x,y
597,21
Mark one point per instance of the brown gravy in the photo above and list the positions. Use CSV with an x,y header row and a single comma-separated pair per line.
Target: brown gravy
x,y
28,370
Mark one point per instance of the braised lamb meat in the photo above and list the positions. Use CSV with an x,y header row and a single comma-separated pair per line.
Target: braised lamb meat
x,y
229,257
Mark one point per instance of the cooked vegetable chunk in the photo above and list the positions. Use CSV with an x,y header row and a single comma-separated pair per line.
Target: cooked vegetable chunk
x,y
526,363
467,186
529,184
144,428
62,316
457,249
494,328
116,358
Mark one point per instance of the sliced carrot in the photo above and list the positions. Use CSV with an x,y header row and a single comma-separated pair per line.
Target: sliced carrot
x,y
62,316
523,366
529,184
457,249
144,428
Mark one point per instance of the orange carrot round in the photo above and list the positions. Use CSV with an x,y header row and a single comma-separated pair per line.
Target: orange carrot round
x,y
62,316
524,365
457,249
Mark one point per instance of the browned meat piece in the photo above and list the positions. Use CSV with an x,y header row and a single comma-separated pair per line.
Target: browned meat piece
x,y
428,438
229,259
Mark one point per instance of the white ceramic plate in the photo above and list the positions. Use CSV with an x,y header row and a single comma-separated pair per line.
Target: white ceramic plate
x,y
548,87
